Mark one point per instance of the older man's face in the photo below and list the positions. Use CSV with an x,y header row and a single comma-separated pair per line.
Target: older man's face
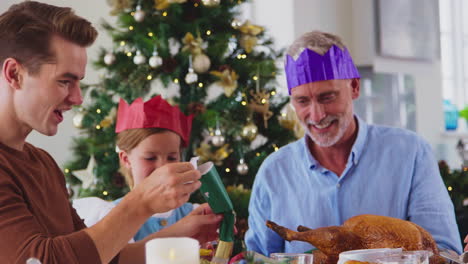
x,y
325,109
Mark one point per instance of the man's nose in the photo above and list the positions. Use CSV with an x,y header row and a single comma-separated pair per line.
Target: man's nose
x,y
317,112
76,97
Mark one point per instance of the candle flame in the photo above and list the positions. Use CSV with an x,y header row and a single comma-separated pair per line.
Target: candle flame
x,y
171,254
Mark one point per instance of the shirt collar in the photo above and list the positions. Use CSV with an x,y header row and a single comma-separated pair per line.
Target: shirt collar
x,y
356,150
358,145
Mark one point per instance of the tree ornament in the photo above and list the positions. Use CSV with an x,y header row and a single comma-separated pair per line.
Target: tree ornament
x,y
78,119
139,14
249,131
174,46
118,6
191,77
228,79
109,58
86,176
139,58
155,61
109,119
248,42
288,119
242,168
163,4
211,3
249,32
260,103
201,63
192,44
206,154
218,139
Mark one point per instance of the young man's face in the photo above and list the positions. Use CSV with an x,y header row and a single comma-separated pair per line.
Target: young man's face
x,y
325,109
43,97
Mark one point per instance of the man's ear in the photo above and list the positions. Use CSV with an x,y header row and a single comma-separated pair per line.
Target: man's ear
x,y
355,87
123,156
12,72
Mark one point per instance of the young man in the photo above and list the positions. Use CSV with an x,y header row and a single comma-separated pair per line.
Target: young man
x,y
343,167
43,58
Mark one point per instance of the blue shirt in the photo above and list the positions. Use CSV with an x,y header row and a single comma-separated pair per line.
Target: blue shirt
x,y
390,172
154,224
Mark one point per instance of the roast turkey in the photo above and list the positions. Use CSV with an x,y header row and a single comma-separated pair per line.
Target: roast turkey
x,y
362,232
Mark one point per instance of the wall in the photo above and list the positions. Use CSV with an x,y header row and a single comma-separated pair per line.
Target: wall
x,y
353,20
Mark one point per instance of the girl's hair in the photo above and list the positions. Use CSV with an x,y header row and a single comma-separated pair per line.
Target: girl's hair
x,y
128,140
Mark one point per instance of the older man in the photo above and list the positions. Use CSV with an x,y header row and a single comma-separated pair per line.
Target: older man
x,y
343,167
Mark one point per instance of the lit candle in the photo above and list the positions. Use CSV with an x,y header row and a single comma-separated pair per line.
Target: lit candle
x,y
173,250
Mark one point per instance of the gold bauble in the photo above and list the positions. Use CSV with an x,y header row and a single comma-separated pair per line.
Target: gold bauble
x,y
78,120
289,120
201,63
249,131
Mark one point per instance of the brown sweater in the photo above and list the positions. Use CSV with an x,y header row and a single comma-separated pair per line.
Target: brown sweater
x,y
36,218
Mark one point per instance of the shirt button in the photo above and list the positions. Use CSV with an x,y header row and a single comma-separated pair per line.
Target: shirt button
x,y
338,185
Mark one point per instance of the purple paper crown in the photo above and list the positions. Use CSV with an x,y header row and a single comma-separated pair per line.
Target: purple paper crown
x,y
312,67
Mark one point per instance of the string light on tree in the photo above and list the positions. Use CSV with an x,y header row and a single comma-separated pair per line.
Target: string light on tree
x,y
235,23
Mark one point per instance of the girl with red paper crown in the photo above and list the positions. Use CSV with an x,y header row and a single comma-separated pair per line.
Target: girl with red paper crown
x,y
150,135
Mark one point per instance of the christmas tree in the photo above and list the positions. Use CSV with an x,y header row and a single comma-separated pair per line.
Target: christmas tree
x,y
456,182
223,71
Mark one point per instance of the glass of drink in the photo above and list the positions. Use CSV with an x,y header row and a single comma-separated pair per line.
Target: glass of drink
x,y
293,258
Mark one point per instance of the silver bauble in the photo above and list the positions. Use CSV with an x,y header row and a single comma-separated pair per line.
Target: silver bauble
x,y
155,61
109,58
201,63
78,120
139,14
211,2
191,77
218,140
249,131
242,168
139,58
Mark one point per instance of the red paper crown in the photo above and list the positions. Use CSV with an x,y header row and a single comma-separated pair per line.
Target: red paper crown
x,y
156,112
